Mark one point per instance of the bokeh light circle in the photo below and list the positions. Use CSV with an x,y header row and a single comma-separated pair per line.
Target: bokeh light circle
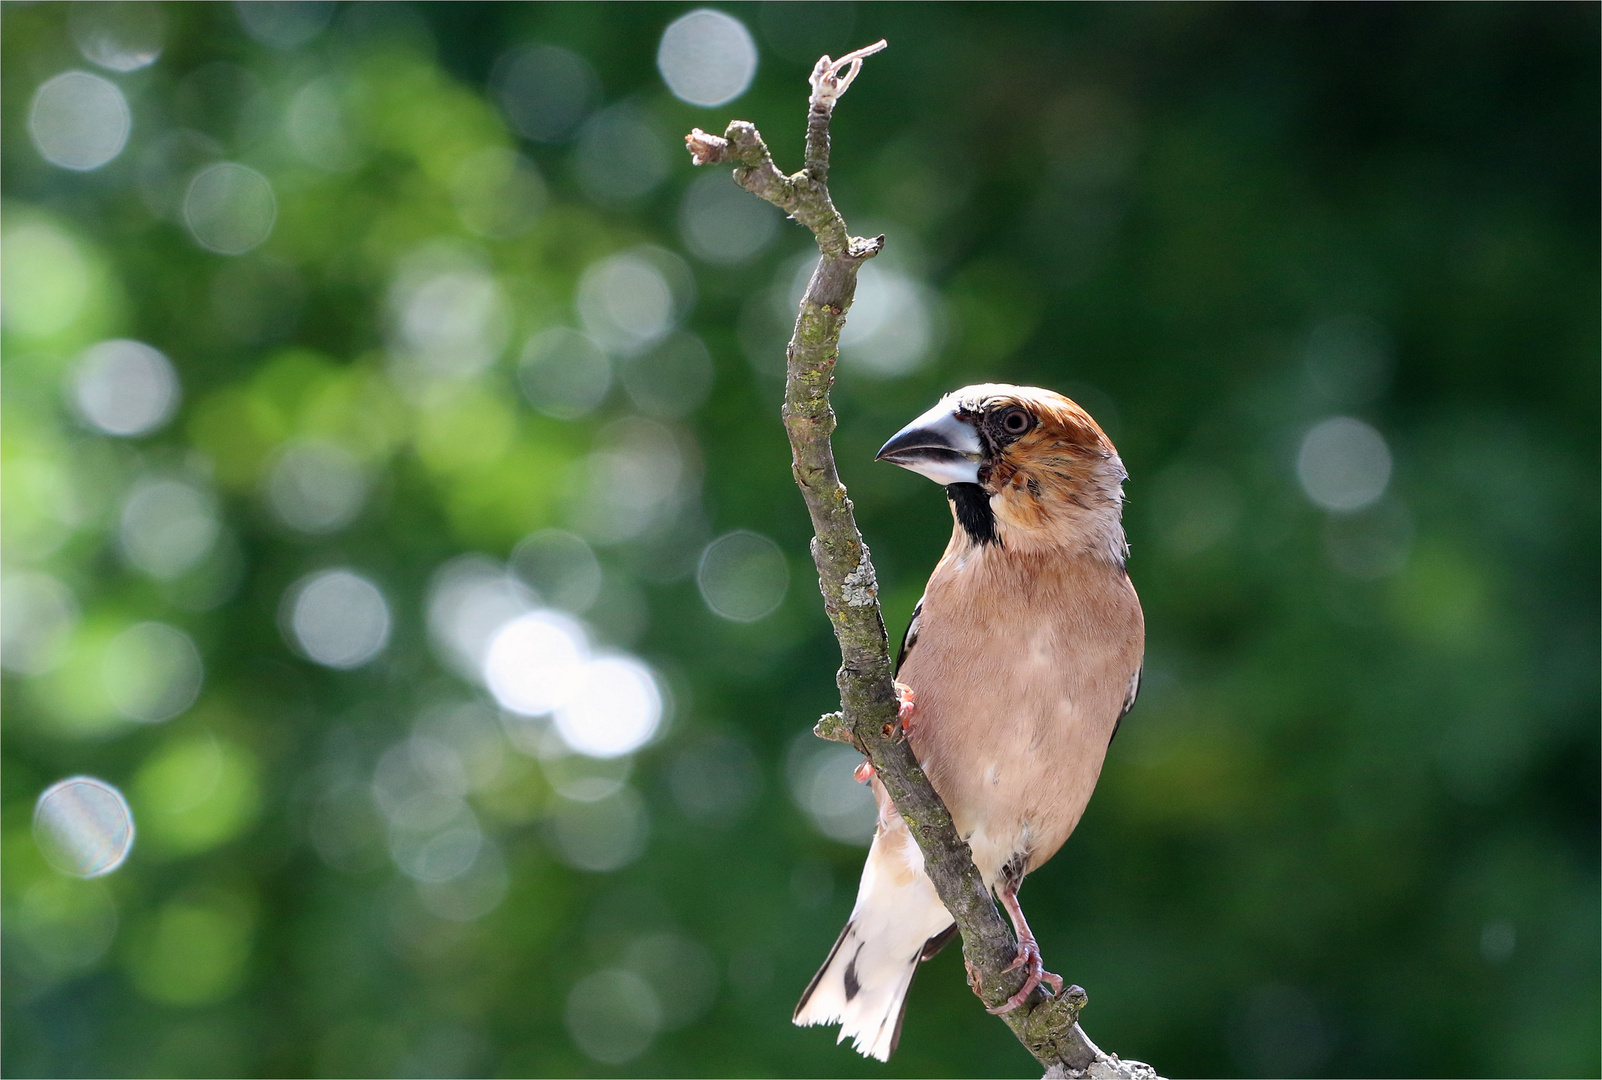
x,y
639,476
316,487
83,826
119,36
626,301
600,835
79,121
707,57
680,969
536,662
613,1015
472,894
434,837
230,208
622,155
338,618
167,526
284,24
1344,464
564,373
318,127
470,599
545,91
823,783
152,672
721,223
615,709
893,328
671,379
124,387
451,319
743,576
37,616
560,567
578,777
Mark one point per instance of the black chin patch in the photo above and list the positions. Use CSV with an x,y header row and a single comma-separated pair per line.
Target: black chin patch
x,y
973,512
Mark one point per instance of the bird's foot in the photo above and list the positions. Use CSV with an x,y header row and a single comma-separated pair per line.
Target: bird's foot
x,y
906,705
864,772
1030,960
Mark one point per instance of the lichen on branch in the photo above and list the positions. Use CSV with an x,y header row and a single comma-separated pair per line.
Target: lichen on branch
x,y
1048,1027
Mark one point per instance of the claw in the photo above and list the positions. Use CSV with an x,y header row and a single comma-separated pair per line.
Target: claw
x,y
906,706
1030,960
864,772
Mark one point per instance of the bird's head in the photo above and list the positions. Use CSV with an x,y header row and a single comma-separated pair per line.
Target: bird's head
x,y
1023,467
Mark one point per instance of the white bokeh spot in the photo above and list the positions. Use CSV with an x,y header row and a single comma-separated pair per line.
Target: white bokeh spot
x,y
470,599
338,618
79,121
316,487
743,576
84,826
1344,464
230,208
707,57
721,223
564,373
37,616
615,709
284,24
121,36
823,783
449,316
621,156
613,1015
167,526
123,387
536,662
629,300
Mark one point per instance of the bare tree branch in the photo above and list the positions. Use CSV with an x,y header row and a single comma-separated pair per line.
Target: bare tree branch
x,y
1047,1026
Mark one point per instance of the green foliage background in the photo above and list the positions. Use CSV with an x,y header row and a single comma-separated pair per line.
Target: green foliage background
x,y
1352,826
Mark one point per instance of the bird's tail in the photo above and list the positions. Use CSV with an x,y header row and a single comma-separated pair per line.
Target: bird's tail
x,y
898,921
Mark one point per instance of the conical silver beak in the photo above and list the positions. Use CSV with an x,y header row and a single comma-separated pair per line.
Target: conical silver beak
x,y
939,444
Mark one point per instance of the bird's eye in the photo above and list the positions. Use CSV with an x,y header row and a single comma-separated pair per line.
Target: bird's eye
x,y
1015,421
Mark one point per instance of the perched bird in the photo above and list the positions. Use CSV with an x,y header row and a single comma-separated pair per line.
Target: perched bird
x,y
1019,662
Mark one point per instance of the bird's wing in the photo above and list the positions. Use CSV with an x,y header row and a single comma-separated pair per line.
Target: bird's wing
x,y
1129,702
912,636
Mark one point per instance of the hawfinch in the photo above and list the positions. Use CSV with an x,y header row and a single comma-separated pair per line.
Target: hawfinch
x,y
1020,661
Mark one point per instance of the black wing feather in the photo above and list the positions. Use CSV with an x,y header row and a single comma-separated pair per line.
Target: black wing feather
x,y
1129,702
911,637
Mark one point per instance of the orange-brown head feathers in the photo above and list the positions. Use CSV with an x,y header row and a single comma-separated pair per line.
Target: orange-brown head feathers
x,y
1024,467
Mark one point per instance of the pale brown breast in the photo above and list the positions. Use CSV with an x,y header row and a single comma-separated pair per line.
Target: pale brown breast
x,y
1021,669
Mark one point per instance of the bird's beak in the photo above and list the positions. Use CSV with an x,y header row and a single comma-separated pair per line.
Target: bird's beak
x,y
940,445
